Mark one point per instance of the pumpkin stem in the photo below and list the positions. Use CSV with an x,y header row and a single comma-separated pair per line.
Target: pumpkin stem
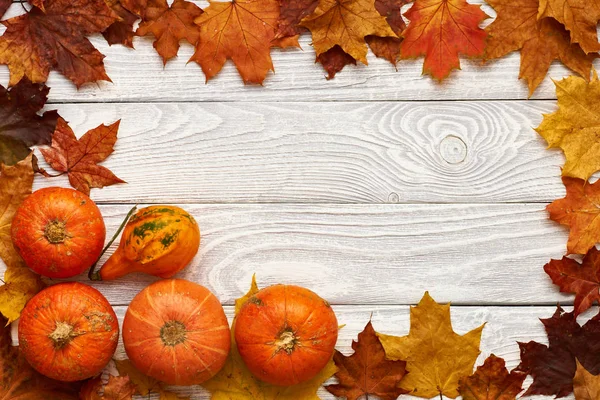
x,y
62,334
287,341
95,276
56,232
173,333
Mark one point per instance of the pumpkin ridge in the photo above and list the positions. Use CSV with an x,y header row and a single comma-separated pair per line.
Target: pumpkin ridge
x,y
197,309
204,365
214,349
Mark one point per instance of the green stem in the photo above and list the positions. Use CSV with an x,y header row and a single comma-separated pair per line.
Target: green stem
x,y
95,276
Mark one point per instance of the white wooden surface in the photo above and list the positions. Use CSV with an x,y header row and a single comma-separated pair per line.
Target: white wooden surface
x,y
369,189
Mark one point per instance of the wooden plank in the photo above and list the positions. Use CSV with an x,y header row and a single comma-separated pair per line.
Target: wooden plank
x,y
369,254
351,152
139,75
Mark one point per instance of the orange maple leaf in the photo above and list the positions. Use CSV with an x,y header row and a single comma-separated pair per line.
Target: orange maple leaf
x,y
79,158
39,41
580,211
121,31
389,47
441,30
170,25
241,30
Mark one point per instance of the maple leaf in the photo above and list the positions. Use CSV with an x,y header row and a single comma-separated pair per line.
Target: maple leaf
x,y
580,17
240,30
492,381
170,25
144,385
580,211
20,283
367,371
235,381
389,47
117,388
574,126
436,356
79,158
334,60
581,279
553,367
4,4
120,32
516,27
346,23
290,14
20,125
39,41
585,385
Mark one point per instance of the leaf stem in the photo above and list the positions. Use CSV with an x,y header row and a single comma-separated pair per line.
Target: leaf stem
x,y
95,276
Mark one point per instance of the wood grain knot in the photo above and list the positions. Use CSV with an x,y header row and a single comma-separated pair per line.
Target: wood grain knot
x,y
453,149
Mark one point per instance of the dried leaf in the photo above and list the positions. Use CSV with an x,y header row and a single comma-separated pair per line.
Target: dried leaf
x,y
4,4
436,356
290,15
117,388
492,381
143,383
120,32
579,211
334,60
581,279
367,371
441,30
170,25
389,47
79,158
585,385
20,125
516,27
55,39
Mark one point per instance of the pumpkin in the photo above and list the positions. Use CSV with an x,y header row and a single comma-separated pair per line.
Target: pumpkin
x,y
285,334
176,331
157,240
68,332
59,232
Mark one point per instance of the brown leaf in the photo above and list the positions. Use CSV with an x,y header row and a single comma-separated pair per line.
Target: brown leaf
x,y
4,4
389,47
79,158
170,25
120,32
579,211
492,381
20,125
55,39
585,385
290,15
334,60
144,384
367,371
581,279
117,388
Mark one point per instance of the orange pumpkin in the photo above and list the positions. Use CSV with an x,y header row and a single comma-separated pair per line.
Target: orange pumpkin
x,y
176,331
285,334
68,332
59,232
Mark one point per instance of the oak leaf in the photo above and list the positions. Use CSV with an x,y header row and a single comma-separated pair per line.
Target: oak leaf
x,y
581,279
55,39
575,126
585,385
20,283
241,30
580,211
20,124
516,27
553,367
117,388
367,371
80,158
346,23
236,382
492,381
442,30
436,356
144,385
170,25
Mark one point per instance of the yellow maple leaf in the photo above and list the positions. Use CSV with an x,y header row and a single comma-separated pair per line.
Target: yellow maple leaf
x,y
346,23
236,382
575,127
585,385
20,283
436,356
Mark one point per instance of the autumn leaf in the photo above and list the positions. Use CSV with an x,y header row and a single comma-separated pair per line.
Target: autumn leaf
x,y
574,127
236,382
290,14
389,47
553,367
80,158
20,124
516,27
144,384
121,31
170,25
492,381
4,4
436,356
581,279
334,60
55,39
117,388
580,211
367,371
20,283
241,31
585,385
580,17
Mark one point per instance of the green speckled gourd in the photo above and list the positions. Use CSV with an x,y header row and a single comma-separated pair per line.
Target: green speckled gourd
x,y
157,240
